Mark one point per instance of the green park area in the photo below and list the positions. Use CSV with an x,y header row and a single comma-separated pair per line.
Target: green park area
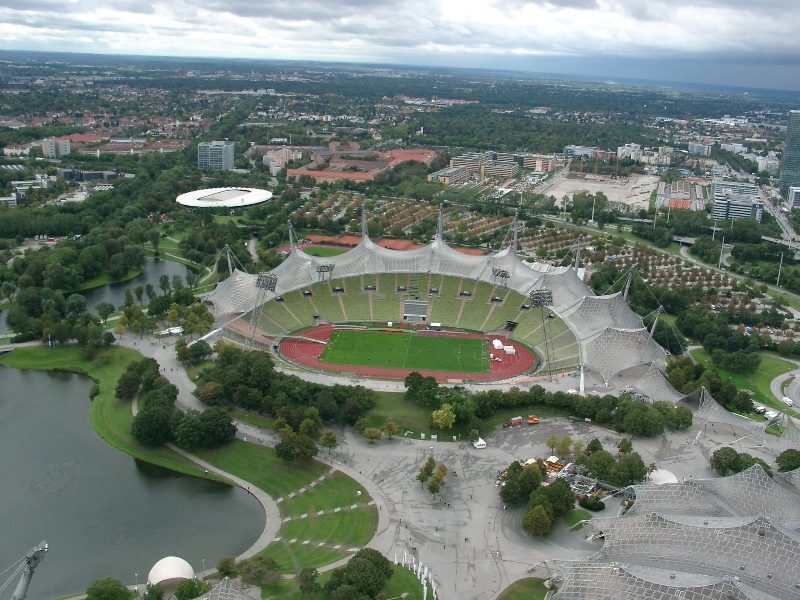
x,y
407,351
758,382
529,588
323,251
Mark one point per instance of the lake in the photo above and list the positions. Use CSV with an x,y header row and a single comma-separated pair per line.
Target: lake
x,y
102,512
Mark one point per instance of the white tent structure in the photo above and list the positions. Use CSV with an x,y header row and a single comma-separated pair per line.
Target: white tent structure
x,y
611,337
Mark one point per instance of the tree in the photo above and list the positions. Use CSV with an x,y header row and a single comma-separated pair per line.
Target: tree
x,y
153,427
226,566
723,461
108,588
372,434
307,581
8,289
788,460
138,291
368,571
294,447
217,427
153,592
594,446
625,446
564,446
551,442
198,352
163,283
104,309
328,440
444,418
127,385
76,305
434,487
260,570
191,588
474,435
390,428
578,447
536,521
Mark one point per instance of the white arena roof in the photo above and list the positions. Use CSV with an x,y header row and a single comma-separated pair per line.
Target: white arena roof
x,y
226,197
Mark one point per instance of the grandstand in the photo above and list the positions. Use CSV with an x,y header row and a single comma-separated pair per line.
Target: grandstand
x,y
596,332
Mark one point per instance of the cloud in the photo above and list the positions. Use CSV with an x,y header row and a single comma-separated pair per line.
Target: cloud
x,y
432,31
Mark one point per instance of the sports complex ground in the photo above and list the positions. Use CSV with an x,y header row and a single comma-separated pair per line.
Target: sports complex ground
x,y
393,354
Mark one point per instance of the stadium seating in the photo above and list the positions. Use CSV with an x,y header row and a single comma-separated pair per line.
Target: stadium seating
x,y
356,302
300,307
477,308
509,310
327,303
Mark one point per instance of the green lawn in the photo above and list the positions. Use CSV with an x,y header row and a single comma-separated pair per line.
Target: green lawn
x,y
575,516
109,417
261,467
529,588
104,279
335,491
758,381
407,351
321,251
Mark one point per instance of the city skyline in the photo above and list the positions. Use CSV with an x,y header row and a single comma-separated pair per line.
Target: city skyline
x,y
715,42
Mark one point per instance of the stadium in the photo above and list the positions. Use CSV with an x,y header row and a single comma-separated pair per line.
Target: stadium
x,y
546,317
226,197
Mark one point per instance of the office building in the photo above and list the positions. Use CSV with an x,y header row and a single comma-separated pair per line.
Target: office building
x,y
215,155
732,205
53,148
790,168
794,197
699,149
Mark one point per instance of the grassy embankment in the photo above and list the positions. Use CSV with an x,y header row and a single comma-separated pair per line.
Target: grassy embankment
x,y
346,527
109,417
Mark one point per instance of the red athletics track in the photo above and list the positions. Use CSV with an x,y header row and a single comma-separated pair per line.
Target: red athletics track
x,y
307,353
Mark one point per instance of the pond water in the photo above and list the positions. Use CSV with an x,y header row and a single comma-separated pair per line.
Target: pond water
x,y
115,292
103,513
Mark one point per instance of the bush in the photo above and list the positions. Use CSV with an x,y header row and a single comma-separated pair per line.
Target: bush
x,y
592,504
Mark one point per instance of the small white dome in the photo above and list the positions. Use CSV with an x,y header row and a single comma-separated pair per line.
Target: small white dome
x,y
662,476
170,569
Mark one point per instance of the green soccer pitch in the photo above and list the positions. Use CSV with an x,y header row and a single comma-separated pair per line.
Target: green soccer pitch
x,y
407,351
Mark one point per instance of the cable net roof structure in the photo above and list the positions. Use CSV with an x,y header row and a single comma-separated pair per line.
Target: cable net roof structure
x,y
746,494
711,411
610,335
614,581
792,477
655,386
790,434
614,350
763,556
227,589
592,314
730,537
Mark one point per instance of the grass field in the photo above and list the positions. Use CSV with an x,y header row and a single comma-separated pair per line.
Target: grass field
x,y
529,588
322,251
407,351
758,381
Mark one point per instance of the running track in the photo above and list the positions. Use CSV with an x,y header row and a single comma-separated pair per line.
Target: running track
x,y
307,353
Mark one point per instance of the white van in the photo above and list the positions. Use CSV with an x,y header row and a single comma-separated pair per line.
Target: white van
x,y
480,444
788,401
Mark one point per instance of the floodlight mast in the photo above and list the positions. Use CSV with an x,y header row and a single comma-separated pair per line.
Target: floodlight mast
x,y
265,282
323,269
543,298
502,274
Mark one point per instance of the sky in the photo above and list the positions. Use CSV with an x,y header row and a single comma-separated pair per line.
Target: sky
x,y
743,43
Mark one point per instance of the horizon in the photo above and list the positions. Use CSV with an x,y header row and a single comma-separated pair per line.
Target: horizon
x,y
746,46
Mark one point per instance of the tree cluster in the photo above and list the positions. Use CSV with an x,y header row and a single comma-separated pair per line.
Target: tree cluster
x,y
686,376
727,461
728,347
248,379
362,578
435,473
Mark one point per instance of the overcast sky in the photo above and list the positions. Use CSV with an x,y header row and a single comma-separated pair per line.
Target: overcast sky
x,y
750,43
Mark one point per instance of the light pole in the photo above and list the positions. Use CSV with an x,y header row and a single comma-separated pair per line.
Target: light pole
x,y
137,583
204,565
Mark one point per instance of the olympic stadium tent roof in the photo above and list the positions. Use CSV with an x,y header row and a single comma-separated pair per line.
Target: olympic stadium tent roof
x,y
227,589
226,197
611,336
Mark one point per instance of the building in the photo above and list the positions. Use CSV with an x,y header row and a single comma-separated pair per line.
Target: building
x,y
472,161
699,149
215,155
794,197
451,175
498,168
790,169
53,148
732,205
743,189
681,195
735,148
578,151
